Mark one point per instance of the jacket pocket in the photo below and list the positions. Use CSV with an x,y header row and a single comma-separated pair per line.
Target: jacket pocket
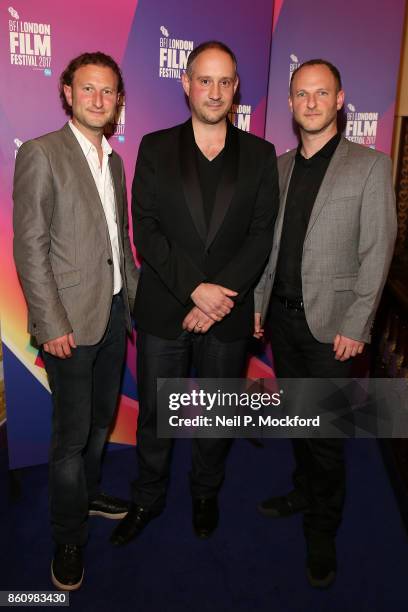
x,y
68,279
344,283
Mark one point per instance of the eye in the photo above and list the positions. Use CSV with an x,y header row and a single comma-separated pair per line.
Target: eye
x,y
226,83
323,93
87,88
205,81
300,94
108,92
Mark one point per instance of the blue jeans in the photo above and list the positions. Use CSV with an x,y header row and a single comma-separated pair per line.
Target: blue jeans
x,y
85,389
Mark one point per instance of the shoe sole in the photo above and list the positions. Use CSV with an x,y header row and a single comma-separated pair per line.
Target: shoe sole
x,y
321,584
65,587
108,515
125,542
204,536
270,513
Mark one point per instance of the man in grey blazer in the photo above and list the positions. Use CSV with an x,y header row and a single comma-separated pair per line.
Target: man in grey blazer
x,y
333,243
74,259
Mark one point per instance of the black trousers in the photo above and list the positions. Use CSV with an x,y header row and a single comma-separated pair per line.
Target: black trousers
x,y
85,390
320,472
162,358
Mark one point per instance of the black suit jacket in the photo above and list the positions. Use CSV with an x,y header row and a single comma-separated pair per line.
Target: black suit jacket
x,y
178,250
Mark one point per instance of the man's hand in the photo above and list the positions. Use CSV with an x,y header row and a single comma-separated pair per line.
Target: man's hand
x,y
61,346
258,330
197,321
213,300
346,347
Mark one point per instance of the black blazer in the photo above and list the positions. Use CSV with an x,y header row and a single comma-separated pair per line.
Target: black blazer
x,y
169,227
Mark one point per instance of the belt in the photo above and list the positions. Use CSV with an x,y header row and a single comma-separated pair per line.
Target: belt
x,y
292,304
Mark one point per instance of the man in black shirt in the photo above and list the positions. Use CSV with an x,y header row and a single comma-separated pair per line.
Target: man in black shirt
x,y
205,199
331,252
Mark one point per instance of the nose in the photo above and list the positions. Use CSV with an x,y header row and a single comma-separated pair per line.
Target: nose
x,y
311,101
97,99
215,91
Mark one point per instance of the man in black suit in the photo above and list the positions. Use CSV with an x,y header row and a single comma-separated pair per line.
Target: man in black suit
x,y
205,198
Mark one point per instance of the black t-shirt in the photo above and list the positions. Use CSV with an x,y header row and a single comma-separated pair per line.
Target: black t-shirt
x,y
307,176
209,173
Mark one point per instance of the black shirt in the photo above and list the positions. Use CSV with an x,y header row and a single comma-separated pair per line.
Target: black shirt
x,y
209,173
307,176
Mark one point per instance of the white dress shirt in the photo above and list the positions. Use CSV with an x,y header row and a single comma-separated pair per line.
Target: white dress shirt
x,y
104,185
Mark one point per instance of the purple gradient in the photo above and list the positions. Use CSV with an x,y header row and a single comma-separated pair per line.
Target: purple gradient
x,y
362,39
29,104
155,103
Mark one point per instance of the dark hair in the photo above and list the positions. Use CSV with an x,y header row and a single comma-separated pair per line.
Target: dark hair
x,y
209,44
319,62
98,58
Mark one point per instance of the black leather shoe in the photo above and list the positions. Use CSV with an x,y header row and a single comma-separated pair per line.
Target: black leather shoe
x,y
67,570
132,525
108,507
287,505
205,516
321,563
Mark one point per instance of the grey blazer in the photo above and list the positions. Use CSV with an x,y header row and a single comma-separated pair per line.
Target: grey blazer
x,y
62,248
348,245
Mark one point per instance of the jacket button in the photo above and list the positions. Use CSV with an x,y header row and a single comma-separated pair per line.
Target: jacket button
x,y
34,325
110,262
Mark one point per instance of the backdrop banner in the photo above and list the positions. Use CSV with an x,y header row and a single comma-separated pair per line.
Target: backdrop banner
x,y
361,38
151,40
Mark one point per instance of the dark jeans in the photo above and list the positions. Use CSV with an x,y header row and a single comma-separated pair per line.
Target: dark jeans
x,y
85,390
320,472
161,358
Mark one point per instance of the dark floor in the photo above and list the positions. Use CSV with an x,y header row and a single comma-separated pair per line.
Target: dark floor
x,y
251,563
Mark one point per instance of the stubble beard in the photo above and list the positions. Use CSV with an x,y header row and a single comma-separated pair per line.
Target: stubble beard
x,y
319,130
88,120
211,118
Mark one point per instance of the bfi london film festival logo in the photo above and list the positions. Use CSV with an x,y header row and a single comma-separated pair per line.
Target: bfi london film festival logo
x,y
361,127
117,129
30,43
173,55
294,63
240,116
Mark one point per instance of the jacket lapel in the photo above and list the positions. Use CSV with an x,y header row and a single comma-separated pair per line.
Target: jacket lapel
x,y
190,180
326,187
84,174
116,174
285,173
227,183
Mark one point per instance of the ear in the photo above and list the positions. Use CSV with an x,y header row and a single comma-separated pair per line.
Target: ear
x,y
340,99
68,94
290,103
236,83
185,81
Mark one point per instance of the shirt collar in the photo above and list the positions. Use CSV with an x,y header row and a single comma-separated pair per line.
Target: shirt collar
x,y
326,151
85,144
